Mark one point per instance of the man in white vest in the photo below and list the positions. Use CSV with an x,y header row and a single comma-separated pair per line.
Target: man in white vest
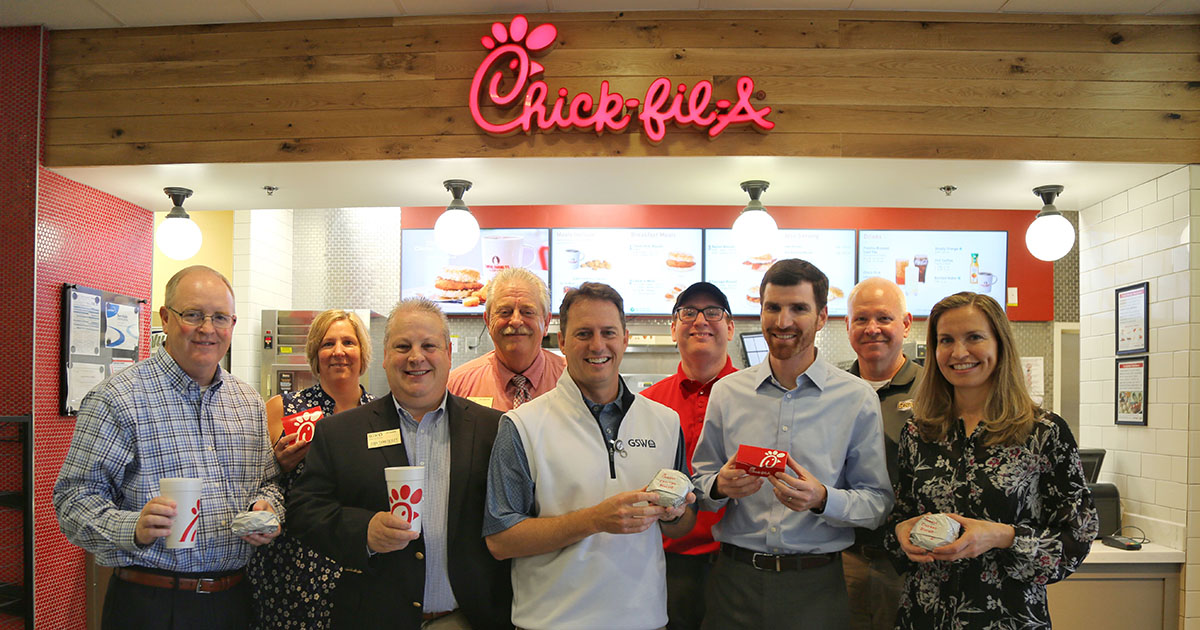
x,y
566,492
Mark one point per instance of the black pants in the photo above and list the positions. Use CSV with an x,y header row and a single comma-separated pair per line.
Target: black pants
x,y
134,606
740,596
686,580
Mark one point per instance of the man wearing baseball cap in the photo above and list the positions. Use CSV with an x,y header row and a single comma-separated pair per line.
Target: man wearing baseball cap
x,y
701,327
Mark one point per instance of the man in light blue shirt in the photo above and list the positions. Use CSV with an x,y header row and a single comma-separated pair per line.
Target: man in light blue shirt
x,y
779,563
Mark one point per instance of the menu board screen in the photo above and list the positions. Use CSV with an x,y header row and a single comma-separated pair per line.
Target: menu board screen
x,y
456,282
929,265
648,267
739,276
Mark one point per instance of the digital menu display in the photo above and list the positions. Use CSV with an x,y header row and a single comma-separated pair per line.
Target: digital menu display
x,y
648,267
739,276
456,282
929,265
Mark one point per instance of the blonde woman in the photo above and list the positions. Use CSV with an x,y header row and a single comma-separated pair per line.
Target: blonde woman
x,y
980,451
292,583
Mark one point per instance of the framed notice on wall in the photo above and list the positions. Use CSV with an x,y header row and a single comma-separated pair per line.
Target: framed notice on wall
x,y
1133,318
101,335
1133,378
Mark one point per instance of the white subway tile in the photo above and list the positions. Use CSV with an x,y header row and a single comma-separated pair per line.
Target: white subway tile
x,y
1127,272
1174,233
1128,224
1115,205
1140,439
1089,258
1179,257
1171,442
1157,213
1090,216
1179,469
1174,182
1141,489
1193,176
1143,243
1171,495
1117,250
1181,204
1123,462
1180,414
1143,195
1156,466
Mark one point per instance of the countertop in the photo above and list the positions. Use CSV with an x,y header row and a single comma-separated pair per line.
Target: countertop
x,y
1149,553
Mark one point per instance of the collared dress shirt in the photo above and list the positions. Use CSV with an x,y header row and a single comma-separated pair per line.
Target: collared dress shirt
x,y
427,443
830,422
152,421
486,377
690,400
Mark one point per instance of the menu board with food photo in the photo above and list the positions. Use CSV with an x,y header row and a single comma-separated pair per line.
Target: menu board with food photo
x,y
458,283
738,273
929,265
649,267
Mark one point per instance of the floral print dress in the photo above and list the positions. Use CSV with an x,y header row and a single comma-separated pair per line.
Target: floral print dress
x,y
1038,487
293,583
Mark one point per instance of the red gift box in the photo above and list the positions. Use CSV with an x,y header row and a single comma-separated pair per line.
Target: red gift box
x,y
303,424
760,462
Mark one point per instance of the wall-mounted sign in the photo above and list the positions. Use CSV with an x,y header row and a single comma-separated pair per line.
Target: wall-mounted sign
x,y
505,78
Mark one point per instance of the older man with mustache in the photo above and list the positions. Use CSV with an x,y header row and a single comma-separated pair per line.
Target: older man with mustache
x,y
519,369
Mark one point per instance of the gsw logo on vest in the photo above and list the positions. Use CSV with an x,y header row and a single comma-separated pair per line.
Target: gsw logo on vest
x,y
640,443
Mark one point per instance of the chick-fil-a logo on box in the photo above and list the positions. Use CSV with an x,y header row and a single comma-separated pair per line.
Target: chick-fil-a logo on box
x,y
509,62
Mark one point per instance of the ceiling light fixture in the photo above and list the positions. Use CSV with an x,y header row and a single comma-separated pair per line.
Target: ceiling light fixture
x,y
178,237
456,231
1051,235
754,231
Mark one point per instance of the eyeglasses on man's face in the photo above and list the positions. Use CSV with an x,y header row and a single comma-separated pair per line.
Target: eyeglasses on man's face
x,y
193,317
687,314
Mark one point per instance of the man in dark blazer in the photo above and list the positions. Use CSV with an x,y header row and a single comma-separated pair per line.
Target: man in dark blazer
x,y
392,576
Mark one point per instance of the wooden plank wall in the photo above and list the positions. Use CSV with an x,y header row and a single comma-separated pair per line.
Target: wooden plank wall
x,y
856,84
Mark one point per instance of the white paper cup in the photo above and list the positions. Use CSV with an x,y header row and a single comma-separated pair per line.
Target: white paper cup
x,y
185,492
406,493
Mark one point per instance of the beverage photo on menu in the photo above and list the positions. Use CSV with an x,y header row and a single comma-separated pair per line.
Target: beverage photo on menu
x,y
459,283
649,267
929,265
738,272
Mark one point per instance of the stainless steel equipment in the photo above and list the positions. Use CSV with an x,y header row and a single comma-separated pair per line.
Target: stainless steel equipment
x,y
284,365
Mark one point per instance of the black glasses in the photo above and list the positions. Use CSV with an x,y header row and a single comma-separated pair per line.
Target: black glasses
x,y
687,314
194,317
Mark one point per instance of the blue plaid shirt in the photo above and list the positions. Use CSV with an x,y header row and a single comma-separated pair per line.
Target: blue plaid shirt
x,y
152,421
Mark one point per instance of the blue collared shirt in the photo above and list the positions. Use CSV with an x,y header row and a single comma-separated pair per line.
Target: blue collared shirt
x,y
152,421
830,422
427,444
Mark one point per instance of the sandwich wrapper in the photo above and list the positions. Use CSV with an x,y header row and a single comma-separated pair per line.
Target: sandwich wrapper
x,y
303,424
671,486
933,531
255,522
760,462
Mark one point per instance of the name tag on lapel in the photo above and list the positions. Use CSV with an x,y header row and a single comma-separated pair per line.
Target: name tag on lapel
x,y
486,401
904,405
383,438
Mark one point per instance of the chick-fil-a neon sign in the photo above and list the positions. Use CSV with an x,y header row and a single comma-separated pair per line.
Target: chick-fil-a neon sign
x,y
664,102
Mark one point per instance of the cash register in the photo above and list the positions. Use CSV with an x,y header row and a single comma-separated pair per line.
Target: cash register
x,y
1105,495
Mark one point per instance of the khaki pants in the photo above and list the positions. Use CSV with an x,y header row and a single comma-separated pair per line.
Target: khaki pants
x,y
874,588
454,621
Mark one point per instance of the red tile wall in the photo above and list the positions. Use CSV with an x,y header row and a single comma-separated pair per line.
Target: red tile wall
x,y
55,230
92,238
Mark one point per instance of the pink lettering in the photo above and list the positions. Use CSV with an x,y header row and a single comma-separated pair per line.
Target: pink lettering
x,y
664,102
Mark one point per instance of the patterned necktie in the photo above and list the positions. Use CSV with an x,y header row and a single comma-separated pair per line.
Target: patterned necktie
x,y
520,390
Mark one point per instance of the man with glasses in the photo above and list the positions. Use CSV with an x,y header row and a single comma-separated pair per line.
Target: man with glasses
x,y
176,414
702,328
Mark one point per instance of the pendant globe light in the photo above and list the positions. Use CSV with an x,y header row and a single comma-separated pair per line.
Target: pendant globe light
x,y
1051,235
178,237
754,231
456,231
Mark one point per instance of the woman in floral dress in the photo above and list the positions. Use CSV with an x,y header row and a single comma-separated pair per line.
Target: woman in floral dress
x,y
292,583
981,451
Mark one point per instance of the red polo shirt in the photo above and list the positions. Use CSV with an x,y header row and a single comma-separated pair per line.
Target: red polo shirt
x,y
690,400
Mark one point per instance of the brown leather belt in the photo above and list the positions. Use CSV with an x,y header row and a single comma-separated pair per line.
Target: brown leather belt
x,y
436,615
197,585
774,562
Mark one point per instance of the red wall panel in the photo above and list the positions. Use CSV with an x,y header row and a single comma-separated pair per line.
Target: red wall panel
x,y
1033,278
92,238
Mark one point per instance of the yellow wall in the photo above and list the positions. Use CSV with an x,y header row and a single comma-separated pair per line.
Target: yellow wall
x,y
216,252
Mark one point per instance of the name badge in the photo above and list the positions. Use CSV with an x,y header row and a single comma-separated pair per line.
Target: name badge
x,y
383,438
486,401
904,405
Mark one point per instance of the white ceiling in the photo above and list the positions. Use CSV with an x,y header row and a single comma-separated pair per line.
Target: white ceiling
x,y
692,181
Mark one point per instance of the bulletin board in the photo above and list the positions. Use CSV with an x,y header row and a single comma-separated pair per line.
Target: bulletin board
x,y
101,335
